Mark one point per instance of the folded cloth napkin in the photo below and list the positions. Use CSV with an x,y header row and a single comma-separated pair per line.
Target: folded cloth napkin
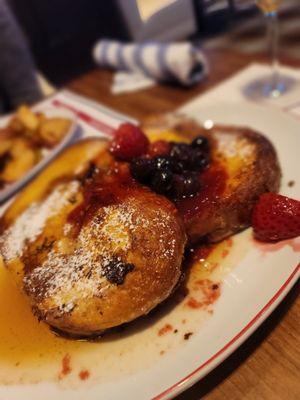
x,y
180,62
130,82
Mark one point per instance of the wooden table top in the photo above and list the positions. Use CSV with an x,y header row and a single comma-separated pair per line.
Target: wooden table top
x,y
267,365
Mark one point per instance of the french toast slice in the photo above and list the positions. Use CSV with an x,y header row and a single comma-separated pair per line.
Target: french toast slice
x,y
90,247
243,165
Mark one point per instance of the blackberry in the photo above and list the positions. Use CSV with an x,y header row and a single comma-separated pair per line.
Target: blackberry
x,y
142,169
177,167
161,162
187,158
181,152
162,181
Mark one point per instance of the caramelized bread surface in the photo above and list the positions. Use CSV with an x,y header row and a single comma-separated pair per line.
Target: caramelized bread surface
x,y
90,247
244,165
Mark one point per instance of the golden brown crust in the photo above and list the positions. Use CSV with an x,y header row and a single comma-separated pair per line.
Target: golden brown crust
x,y
251,166
117,264
232,212
153,243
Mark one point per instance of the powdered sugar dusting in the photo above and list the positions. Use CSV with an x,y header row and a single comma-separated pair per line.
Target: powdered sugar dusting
x,y
63,279
67,277
233,145
116,219
29,225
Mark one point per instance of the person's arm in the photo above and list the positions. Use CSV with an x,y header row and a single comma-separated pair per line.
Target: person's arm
x,y
17,71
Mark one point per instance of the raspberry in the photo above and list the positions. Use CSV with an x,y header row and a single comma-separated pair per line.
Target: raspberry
x,y
276,217
159,148
129,142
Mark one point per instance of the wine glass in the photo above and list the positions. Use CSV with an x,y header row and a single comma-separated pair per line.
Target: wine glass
x,y
274,85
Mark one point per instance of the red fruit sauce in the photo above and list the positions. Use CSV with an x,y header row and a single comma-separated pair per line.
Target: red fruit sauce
x,y
159,148
213,183
101,191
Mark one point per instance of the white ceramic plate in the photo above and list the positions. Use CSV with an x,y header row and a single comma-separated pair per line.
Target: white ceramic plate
x,y
255,284
11,189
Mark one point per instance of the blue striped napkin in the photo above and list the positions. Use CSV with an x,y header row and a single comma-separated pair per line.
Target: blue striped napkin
x,y
181,62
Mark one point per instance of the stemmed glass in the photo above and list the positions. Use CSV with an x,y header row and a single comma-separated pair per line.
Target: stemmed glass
x,y
275,84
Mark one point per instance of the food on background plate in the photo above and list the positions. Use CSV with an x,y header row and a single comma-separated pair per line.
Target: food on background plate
x,y
97,239
90,246
24,139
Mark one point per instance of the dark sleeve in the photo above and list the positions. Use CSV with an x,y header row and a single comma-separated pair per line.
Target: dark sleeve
x,y
17,72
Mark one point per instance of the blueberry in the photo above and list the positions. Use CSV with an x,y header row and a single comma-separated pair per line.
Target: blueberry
x,y
198,160
201,142
116,270
162,181
181,154
186,184
187,158
142,169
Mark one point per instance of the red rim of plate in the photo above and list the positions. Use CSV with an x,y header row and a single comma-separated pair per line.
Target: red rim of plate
x,y
96,123
246,328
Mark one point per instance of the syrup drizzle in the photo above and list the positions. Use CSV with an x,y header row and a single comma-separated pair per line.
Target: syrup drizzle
x,y
213,183
30,351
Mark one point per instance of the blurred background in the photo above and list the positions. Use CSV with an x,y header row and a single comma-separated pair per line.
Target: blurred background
x,y
61,33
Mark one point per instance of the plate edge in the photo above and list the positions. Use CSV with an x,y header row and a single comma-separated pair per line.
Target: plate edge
x,y
243,334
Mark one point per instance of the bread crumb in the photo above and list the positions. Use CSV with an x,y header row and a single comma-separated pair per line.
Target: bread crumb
x,y
84,374
65,366
187,335
167,328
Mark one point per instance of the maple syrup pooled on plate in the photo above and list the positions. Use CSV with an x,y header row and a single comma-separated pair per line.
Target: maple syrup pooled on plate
x,y
30,352
26,345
